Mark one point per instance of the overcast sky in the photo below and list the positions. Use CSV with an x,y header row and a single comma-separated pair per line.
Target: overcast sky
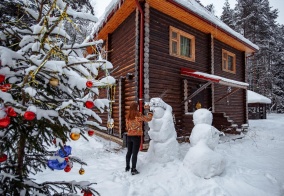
x,y
218,4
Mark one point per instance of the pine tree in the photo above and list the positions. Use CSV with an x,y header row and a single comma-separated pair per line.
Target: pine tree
x,y
228,15
210,8
48,88
277,59
256,21
85,26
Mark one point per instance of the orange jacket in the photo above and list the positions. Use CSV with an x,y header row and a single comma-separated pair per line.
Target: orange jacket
x,y
134,127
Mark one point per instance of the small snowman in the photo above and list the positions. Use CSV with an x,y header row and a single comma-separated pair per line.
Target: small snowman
x,y
201,158
163,146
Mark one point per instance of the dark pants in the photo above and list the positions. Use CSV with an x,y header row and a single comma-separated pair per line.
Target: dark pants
x,y
133,144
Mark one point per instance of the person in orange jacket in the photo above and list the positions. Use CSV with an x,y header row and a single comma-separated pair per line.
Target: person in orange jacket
x,y
134,122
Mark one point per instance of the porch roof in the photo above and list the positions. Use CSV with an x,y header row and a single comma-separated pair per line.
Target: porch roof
x,y
254,97
213,78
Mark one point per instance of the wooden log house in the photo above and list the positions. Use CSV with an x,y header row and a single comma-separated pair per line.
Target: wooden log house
x,y
180,51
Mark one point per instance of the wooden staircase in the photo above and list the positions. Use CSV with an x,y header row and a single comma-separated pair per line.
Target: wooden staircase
x,y
224,123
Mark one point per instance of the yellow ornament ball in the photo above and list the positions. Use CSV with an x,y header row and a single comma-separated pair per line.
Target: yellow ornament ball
x,y
75,136
53,81
81,171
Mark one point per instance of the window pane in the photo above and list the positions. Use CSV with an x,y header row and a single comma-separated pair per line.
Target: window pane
x,y
185,46
224,64
174,47
174,35
230,63
225,55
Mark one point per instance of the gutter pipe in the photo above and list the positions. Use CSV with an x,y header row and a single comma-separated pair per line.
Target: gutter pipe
x,y
141,61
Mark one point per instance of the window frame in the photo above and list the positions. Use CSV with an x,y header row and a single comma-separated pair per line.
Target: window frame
x,y
186,35
226,67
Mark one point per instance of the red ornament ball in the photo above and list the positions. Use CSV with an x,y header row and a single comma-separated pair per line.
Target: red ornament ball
x,y
67,168
89,84
5,87
4,122
89,104
29,115
3,157
2,78
11,112
88,193
91,132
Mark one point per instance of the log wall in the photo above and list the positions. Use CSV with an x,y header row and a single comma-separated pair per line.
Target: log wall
x,y
235,105
122,47
164,69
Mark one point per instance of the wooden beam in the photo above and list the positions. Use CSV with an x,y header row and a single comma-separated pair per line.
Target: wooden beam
x,y
232,92
196,92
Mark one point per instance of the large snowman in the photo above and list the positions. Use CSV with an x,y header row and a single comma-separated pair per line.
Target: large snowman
x,y
163,146
201,158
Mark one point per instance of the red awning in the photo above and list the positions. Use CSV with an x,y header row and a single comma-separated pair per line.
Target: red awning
x,y
213,78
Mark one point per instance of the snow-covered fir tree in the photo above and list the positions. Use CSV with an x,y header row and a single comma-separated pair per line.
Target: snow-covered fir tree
x,y
228,15
210,8
257,22
278,71
85,26
48,95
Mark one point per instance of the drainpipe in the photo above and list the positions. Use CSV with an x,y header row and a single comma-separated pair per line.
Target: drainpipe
x,y
141,55
141,61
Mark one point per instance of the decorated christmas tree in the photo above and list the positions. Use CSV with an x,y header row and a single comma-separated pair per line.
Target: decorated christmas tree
x,y
49,94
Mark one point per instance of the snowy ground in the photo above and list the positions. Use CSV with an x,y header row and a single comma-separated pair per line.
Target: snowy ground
x,y
255,166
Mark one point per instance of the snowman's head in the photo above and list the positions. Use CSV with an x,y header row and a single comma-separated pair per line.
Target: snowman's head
x,y
158,106
158,102
202,116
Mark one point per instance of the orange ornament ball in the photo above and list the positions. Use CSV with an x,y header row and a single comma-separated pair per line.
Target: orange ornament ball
x,y
75,136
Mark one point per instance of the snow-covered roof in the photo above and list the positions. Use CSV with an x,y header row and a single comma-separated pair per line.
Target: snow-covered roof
x,y
213,78
210,17
254,97
191,6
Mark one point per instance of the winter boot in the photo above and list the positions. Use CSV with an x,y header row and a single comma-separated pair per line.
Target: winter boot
x,y
134,171
127,168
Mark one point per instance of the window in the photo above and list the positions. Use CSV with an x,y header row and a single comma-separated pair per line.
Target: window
x,y
182,44
228,61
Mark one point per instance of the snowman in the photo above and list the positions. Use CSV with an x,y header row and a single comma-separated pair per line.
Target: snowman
x,y
201,158
163,146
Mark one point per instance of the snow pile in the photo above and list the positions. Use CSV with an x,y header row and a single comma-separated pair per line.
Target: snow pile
x,y
255,167
254,97
201,159
163,146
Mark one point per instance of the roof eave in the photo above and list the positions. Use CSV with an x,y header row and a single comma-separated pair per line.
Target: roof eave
x,y
208,22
